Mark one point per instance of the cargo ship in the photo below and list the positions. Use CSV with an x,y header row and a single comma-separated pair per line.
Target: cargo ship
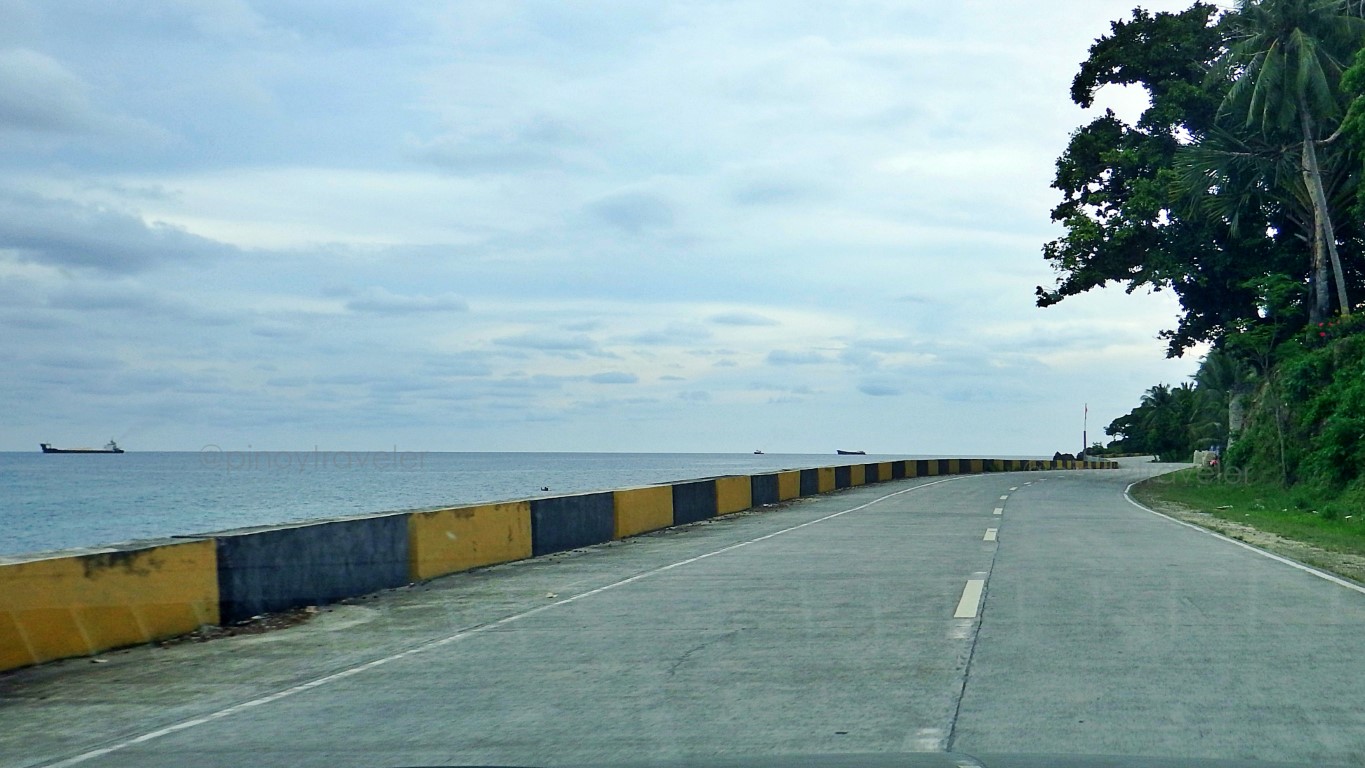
x,y
111,447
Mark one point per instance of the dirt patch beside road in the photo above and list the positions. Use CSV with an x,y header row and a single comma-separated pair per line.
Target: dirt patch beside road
x,y
1341,563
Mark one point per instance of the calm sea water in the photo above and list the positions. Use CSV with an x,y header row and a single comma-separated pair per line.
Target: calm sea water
x,y
74,500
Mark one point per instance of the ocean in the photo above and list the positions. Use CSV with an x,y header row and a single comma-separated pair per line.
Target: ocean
x,y
50,501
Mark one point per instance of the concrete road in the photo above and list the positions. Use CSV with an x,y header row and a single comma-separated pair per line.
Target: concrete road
x,y
1019,612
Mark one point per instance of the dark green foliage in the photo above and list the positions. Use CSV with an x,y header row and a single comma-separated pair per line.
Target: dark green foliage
x,y
1236,191
1127,216
1287,57
1173,422
1166,53
1285,61
1308,422
1205,194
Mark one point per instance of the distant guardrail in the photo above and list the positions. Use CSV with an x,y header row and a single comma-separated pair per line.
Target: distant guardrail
x,y
81,602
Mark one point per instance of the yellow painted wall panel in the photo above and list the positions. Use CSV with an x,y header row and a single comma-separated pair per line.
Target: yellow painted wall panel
x,y
452,540
107,626
639,510
79,604
932,466
911,469
788,485
857,475
884,471
14,650
825,476
953,467
47,634
734,494
977,466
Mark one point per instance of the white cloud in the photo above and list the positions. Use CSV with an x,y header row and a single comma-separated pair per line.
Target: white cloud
x,y
796,357
702,219
67,234
634,212
550,342
43,104
742,318
37,93
382,301
876,389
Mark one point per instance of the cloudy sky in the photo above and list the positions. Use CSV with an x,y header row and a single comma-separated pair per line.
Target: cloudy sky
x,y
625,225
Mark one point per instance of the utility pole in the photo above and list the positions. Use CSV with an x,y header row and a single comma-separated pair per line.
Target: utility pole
x,y
1085,429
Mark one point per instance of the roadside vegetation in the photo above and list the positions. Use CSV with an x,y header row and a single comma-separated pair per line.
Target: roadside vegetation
x,y
1238,189
1291,513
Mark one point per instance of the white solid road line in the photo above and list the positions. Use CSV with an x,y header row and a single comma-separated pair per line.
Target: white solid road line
x,y
447,640
971,599
1306,569
990,534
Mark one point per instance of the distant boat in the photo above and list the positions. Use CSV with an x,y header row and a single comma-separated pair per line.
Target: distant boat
x,y
110,447
758,453
851,453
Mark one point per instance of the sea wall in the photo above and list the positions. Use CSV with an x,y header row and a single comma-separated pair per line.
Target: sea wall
x,y
81,602
444,541
275,568
78,603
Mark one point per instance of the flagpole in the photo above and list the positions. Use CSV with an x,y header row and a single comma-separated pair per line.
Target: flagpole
x,y
1085,429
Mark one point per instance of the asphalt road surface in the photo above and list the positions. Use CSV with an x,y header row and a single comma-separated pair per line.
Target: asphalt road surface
x,y
1006,613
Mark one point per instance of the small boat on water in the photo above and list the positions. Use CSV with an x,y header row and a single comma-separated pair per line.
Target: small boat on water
x,y
758,453
850,453
110,447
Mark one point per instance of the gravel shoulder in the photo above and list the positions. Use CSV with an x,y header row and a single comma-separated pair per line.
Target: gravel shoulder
x,y
1342,564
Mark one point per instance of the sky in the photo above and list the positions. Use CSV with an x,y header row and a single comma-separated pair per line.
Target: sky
x,y
667,226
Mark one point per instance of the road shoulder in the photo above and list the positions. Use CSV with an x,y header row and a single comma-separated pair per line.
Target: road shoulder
x,y
1346,565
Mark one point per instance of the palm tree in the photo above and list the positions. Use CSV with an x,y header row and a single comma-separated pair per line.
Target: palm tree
x,y
1285,63
1224,381
1163,421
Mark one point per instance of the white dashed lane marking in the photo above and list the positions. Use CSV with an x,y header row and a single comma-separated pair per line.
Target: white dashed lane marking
x,y
429,645
927,740
971,599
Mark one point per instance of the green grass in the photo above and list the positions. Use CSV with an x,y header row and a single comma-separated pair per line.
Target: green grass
x,y
1336,524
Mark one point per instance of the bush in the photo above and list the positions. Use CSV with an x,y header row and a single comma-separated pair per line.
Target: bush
x,y
1307,422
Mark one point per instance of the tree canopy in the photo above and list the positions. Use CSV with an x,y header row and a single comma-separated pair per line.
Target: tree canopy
x,y
1234,178
1238,188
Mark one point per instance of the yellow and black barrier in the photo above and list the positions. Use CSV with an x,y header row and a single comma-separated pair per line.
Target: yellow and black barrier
x,y
444,541
64,604
641,510
58,605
